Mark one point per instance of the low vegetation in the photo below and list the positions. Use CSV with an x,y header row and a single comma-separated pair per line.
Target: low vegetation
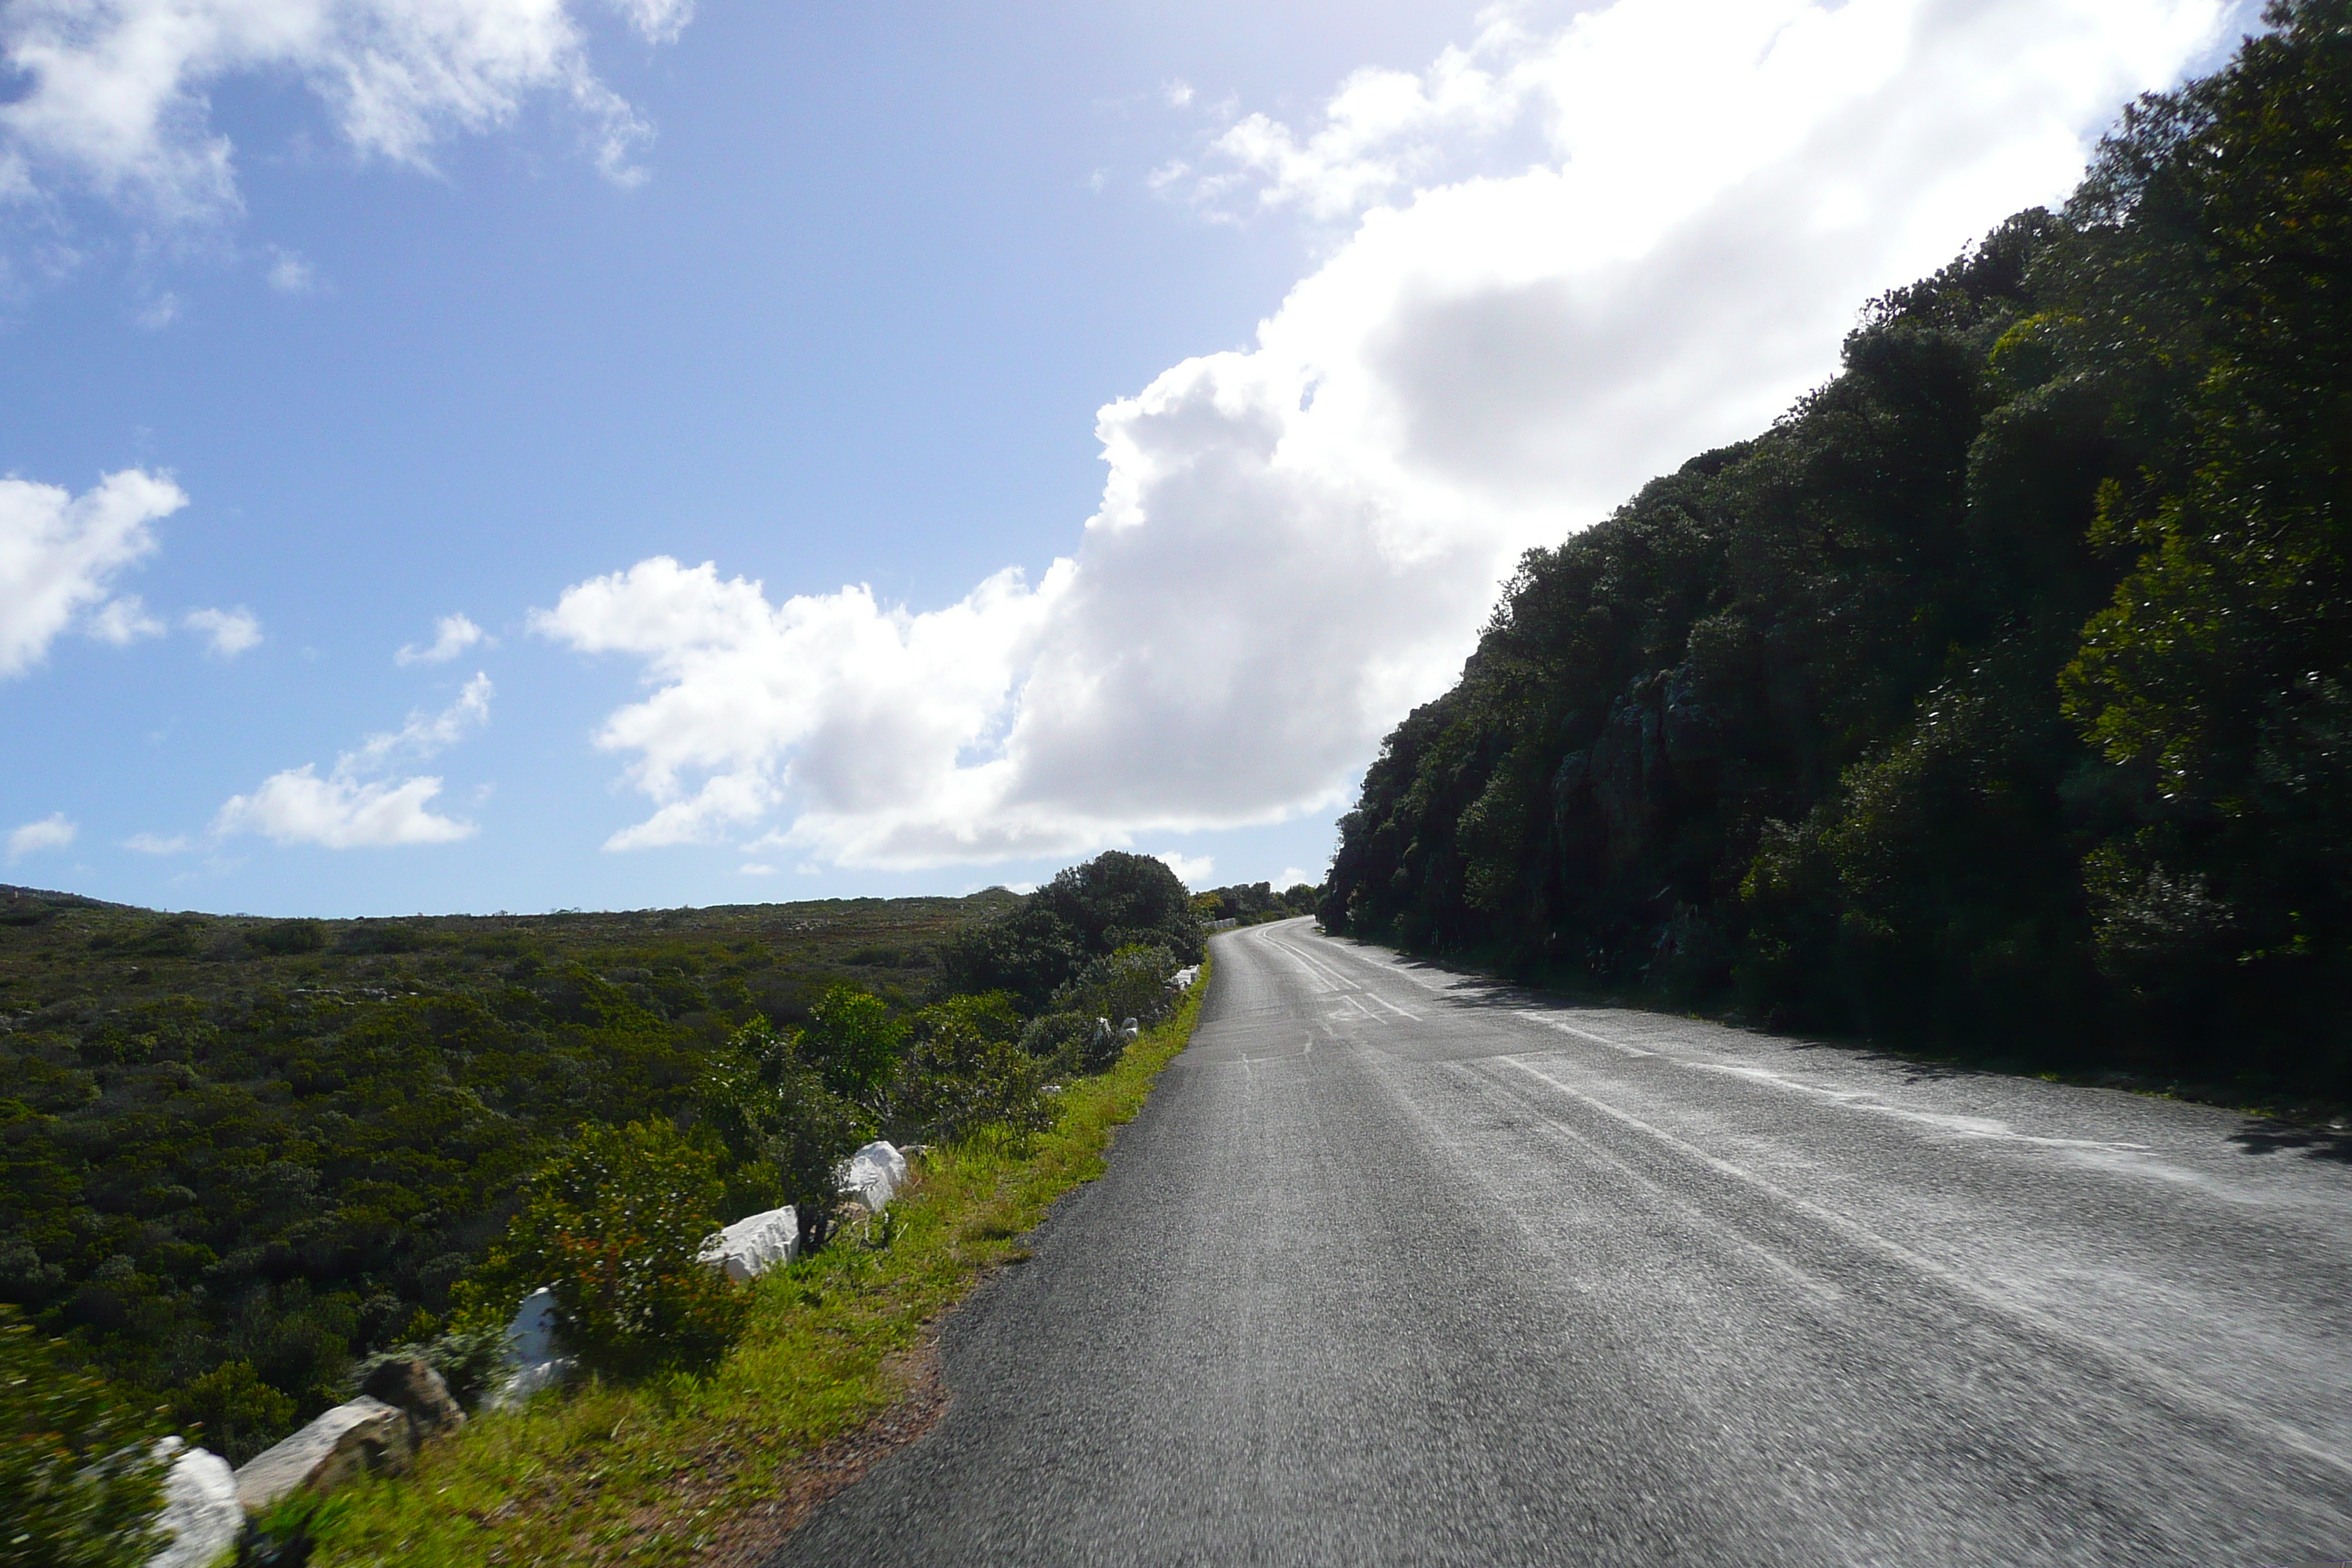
x,y
657,1469
1997,699
246,1159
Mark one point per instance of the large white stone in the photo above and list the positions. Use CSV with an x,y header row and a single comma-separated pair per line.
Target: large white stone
x,y
1182,979
365,1434
873,1176
531,1356
200,1508
749,1247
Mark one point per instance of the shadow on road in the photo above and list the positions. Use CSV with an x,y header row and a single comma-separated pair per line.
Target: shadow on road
x,y
2268,1134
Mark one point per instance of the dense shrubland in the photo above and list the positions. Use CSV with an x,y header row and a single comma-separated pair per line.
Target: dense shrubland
x,y
1997,697
1253,902
241,1156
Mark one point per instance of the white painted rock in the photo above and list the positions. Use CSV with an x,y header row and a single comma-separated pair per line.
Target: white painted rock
x,y
200,1508
531,1352
749,1247
532,1336
1182,979
873,1176
365,1434
1130,1030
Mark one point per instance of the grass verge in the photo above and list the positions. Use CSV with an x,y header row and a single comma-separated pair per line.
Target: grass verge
x,y
655,1472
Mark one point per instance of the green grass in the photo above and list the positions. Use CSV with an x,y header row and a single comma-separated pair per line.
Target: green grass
x,y
649,1473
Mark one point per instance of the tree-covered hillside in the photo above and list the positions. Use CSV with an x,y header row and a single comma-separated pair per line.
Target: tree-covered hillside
x,y
1998,696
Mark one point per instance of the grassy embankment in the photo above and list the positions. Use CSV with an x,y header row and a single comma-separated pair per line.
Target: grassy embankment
x,y
655,1473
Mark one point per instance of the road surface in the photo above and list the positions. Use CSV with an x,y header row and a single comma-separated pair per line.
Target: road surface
x,y
1399,1266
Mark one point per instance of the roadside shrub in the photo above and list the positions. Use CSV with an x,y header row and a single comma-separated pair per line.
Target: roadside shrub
x,y
80,1483
783,1126
1057,1041
964,1076
615,1228
1131,983
237,1414
854,1042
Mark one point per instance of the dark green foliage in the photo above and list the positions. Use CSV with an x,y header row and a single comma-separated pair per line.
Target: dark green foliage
x,y
81,1482
966,1072
228,1173
785,1124
615,1228
1085,911
1997,697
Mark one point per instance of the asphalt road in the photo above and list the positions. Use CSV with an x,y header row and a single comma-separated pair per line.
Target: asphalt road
x,y
1402,1266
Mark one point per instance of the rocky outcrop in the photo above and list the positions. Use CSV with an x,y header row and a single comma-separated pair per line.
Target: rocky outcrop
x,y
749,1247
367,1435
412,1384
201,1515
874,1174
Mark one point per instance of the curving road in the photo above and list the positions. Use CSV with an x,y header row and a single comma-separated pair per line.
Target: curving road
x,y
1399,1266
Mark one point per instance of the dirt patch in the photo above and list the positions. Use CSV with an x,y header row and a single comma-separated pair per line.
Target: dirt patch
x,y
752,1537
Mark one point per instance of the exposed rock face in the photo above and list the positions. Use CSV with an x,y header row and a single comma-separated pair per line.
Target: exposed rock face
x,y
873,1176
200,1508
348,1440
531,1351
749,1247
416,1388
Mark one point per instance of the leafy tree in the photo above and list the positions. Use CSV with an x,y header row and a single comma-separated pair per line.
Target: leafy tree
x,y
786,1128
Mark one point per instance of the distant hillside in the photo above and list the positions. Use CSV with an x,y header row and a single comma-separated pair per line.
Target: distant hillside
x,y
2000,696
235,1153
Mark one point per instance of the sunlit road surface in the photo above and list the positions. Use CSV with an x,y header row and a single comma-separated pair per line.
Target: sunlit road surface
x,y
1400,1266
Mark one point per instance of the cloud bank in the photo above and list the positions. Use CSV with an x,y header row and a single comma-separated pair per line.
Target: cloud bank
x,y
1297,541
115,99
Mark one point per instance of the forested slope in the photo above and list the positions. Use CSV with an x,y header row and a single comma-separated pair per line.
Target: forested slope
x,y
1997,697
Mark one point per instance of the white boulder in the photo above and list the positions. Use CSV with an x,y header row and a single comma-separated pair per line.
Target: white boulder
x,y
200,1508
531,1355
873,1176
749,1247
348,1440
1182,979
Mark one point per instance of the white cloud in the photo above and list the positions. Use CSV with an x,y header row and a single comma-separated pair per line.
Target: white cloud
x,y
123,621
348,810
158,312
52,832
160,844
1297,541
1193,871
116,92
59,552
754,869
1294,875
227,633
297,806
452,635
291,273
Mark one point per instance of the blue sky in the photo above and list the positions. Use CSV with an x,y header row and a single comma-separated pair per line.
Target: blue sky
x,y
1102,423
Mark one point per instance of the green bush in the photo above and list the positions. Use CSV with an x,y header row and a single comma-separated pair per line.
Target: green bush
x,y
616,1228
80,1483
237,1414
1131,983
784,1127
967,1073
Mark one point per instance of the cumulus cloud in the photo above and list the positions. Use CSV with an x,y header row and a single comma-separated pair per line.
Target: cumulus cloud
x,y
59,553
1299,540
452,635
227,633
52,832
291,273
123,621
347,809
160,843
1193,870
115,94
